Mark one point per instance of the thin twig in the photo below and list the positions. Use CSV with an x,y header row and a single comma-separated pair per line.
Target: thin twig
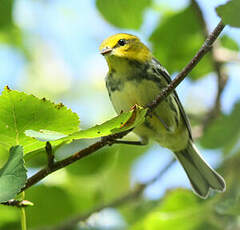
x,y
76,156
130,196
110,139
18,203
50,156
207,45
138,143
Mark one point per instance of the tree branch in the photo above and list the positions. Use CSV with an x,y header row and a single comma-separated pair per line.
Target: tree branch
x,y
207,45
130,196
110,139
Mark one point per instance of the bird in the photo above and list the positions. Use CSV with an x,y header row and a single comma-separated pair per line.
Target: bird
x,y
135,76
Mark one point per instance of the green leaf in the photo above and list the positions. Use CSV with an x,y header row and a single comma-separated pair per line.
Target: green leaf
x,y
9,216
224,131
13,175
120,123
230,206
180,210
210,226
6,7
177,200
176,40
19,112
229,43
127,14
52,204
229,13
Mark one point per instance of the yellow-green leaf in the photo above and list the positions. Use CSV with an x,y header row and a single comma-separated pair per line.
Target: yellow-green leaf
x,y
229,13
20,112
120,123
126,14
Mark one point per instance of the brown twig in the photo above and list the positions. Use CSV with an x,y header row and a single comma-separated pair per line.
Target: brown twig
x,y
130,196
188,68
18,203
110,139
50,156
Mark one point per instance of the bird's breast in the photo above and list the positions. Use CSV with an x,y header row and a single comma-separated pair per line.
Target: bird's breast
x,y
166,124
124,93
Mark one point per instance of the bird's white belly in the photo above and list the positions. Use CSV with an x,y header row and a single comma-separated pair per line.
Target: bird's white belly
x,y
134,93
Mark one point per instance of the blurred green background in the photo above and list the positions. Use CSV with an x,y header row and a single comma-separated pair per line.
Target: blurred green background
x,y
49,48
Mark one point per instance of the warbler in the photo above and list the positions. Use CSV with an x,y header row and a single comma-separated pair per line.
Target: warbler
x,y
136,77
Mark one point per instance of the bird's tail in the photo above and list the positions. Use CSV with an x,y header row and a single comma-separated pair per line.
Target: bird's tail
x,y
200,174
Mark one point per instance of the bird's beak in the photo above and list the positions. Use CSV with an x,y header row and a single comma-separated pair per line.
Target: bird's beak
x,y
106,50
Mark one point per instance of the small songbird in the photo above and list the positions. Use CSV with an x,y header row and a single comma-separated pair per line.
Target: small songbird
x,y
136,77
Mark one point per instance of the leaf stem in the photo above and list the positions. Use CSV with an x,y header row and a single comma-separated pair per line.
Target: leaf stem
x,y
23,215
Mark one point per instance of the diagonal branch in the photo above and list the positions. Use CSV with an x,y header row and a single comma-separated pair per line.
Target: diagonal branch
x,y
207,45
110,139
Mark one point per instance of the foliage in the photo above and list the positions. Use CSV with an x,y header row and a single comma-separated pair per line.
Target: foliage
x,y
175,47
121,123
27,122
229,43
9,33
6,13
19,112
13,175
133,13
53,200
229,13
174,212
224,131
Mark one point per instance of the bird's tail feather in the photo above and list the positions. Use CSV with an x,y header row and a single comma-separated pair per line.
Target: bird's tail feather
x,y
200,174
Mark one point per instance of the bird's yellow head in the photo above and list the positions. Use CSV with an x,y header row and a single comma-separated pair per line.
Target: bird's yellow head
x,y
124,46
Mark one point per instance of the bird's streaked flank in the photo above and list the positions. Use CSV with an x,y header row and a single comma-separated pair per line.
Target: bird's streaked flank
x,y
136,77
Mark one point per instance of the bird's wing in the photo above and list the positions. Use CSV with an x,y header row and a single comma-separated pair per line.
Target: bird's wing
x,y
161,70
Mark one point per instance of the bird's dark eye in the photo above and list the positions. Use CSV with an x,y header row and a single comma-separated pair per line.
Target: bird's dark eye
x,y
122,42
